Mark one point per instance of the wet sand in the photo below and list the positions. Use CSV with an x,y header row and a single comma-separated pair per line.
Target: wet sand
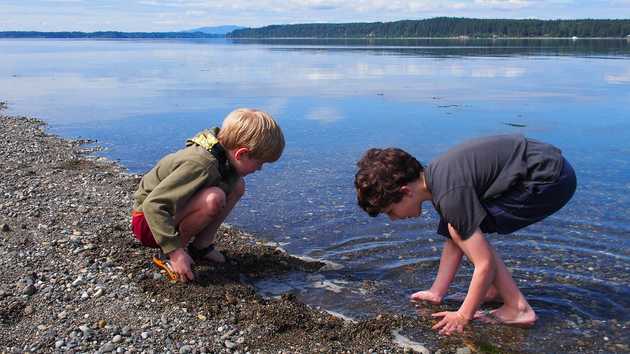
x,y
75,280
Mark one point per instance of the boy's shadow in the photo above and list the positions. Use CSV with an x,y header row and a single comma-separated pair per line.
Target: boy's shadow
x,y
245,266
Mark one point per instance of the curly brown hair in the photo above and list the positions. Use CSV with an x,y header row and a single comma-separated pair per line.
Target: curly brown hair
x,y
381,174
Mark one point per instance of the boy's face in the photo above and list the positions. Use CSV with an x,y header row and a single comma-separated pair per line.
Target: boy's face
x,y
410,206
246,165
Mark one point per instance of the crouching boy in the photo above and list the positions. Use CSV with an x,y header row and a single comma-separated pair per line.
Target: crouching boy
x,y
181,202
494,184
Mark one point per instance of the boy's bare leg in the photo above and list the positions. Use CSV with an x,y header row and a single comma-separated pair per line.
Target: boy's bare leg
x,y
207,236
205,212
515,310
449,264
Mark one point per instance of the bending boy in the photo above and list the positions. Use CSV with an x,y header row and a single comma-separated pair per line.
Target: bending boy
x,y
181,202
494,184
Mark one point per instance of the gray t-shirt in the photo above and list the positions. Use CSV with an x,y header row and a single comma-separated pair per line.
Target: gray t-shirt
x,y
482,169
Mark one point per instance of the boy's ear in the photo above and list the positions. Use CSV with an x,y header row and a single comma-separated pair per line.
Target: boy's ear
x,y
239,153
406,190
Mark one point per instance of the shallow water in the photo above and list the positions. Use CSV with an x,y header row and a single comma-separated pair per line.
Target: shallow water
x,y
335,99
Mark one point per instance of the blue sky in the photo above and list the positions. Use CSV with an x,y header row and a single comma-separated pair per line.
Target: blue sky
x,y
174,15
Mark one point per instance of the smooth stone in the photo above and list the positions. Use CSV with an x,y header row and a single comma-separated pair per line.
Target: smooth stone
x,y
145,335
185,349
464,350
229,344
107,347
29,290
117,338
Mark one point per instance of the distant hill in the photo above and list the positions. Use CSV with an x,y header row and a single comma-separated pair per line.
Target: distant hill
x,y
107,35
216,30
442,27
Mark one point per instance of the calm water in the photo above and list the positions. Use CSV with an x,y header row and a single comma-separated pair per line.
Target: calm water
x,y
335,99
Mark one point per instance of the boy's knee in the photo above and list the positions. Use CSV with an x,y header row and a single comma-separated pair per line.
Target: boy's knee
x,y
214,201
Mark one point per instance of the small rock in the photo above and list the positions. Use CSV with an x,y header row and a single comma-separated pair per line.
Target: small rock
x,y
5,227
101,324
107,347
28,310
99,292
29,290
145,335
185,349
77,281
87,331
464,350
62,315
229,344
117,338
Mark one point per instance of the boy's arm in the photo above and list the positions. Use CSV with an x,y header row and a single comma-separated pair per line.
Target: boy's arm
x,y
479,252
449,264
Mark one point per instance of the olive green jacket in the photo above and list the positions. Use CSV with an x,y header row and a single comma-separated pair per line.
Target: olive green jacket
x,y
175,179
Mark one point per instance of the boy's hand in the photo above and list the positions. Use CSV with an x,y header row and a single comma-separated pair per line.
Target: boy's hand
x,y
451,322
181,263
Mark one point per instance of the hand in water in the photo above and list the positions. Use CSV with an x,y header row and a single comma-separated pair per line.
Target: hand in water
x,y
451,322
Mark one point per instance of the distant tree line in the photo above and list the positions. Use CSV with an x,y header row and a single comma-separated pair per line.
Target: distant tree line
x,y
106,34
444,27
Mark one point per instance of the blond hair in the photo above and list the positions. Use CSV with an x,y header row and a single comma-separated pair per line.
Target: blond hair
x,y
255,130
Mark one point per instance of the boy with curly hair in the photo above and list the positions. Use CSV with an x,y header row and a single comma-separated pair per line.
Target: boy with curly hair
x,y
493,184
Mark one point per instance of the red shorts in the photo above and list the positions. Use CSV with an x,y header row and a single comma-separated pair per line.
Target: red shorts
x,y
141,230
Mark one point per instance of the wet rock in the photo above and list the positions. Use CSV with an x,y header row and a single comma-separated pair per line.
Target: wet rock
x,y
29,290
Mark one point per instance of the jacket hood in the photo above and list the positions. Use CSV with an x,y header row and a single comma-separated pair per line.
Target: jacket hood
x,y
207,139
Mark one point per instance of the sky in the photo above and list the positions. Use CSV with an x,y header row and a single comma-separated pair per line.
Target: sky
x,y
176,15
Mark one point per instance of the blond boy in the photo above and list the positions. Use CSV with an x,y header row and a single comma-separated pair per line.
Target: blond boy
x,y
181,202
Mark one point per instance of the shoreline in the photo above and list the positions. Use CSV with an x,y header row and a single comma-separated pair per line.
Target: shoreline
x,y
75,279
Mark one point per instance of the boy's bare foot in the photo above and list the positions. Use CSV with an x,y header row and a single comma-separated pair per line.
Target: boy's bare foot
x,y
523,317
426,295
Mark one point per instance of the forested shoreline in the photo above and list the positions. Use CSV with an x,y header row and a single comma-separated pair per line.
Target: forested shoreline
x,y
446,27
